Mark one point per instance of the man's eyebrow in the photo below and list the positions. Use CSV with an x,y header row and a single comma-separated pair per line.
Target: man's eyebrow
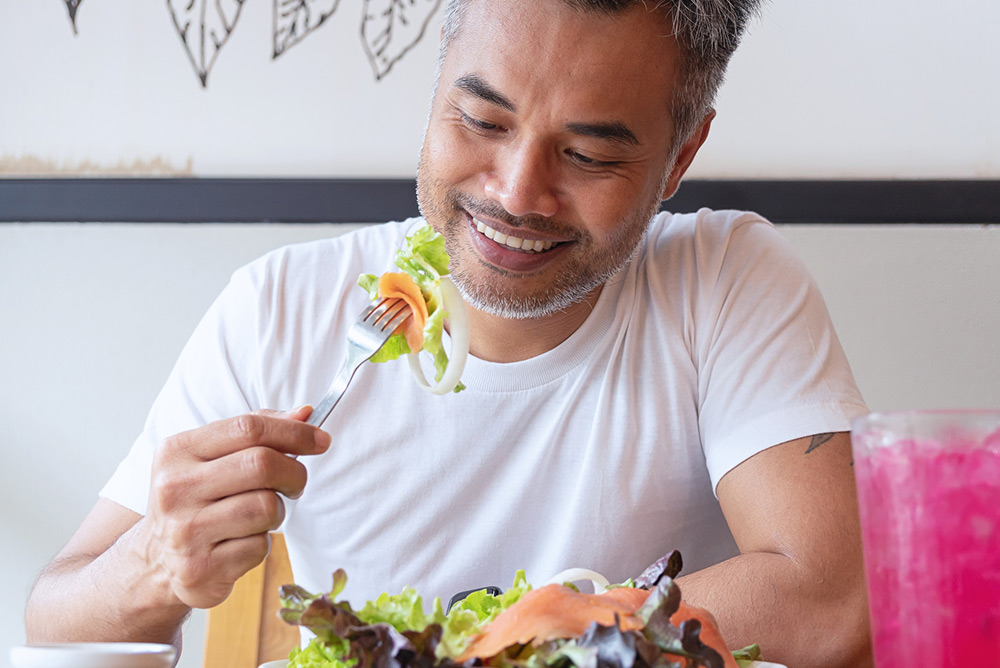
x,y
614,131
475,85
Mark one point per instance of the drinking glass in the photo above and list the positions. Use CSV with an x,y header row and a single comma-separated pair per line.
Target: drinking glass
x,y
929,498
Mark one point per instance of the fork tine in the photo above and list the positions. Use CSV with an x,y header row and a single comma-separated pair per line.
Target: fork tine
x,y
398,318
393,309
376,311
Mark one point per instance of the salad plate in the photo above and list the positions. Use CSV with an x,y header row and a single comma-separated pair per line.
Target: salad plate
x,y
94,655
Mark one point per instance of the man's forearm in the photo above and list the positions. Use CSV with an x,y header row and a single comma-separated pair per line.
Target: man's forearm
x,y
112,597
802,619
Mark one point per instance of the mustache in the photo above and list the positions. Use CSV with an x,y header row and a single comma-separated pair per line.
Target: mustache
x,y
494,210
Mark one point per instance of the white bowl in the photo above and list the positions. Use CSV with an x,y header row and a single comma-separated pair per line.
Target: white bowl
x,y
94,655
275,664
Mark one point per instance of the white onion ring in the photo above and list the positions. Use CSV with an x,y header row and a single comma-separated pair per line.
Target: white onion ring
x,y
458,321
577,574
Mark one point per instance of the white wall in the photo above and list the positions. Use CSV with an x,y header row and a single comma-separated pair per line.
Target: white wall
x,y
92,317
854,88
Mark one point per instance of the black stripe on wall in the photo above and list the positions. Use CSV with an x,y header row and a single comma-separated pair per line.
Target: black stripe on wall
x,y
198,200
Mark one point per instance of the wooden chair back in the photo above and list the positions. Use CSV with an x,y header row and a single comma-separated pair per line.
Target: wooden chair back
x,y
245,631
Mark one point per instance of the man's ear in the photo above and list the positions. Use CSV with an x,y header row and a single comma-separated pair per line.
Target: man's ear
x,y
686,155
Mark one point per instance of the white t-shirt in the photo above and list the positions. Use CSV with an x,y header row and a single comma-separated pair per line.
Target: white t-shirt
x,y
603,453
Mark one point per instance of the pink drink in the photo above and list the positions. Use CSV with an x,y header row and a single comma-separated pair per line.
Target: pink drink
x,y
929,493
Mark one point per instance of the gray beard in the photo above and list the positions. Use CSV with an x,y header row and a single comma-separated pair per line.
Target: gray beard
x,y
561,296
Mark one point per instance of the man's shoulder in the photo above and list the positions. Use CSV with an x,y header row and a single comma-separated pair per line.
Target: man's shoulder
x,y
710,236
704,225
697,247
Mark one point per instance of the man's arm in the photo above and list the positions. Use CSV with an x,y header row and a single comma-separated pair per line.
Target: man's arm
x,y
213,498
797,588
101,588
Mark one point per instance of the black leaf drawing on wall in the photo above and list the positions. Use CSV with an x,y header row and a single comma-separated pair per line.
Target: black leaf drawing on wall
x,y
390,28
72,6
294,19
204,27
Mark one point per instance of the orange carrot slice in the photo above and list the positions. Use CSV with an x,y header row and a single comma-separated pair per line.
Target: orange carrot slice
x,y
403,286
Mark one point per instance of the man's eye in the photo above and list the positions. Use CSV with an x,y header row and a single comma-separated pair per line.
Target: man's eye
x,y
477,124
586,161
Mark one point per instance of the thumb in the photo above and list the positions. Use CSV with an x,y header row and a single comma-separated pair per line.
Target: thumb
x,y
301,413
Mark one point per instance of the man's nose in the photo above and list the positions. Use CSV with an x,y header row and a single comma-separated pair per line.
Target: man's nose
x,y
523,181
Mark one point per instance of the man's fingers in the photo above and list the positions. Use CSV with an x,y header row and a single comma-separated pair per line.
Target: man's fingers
x,y
254,468
262,428
237,516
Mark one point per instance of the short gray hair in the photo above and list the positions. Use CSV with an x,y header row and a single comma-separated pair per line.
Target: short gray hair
x,y
708,32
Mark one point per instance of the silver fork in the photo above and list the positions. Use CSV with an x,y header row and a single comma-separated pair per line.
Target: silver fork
x,y
368,333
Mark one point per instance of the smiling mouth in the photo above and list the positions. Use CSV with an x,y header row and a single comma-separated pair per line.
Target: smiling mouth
x,y
513,242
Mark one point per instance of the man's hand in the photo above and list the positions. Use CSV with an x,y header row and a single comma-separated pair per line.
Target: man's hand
x,y
215,495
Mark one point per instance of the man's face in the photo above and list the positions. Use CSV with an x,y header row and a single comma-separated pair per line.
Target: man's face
x,y
549,131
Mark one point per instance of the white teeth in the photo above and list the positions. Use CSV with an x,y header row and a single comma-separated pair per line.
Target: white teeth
x,y
530,245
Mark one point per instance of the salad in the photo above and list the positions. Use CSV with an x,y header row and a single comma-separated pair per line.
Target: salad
x,y
641,623
431,295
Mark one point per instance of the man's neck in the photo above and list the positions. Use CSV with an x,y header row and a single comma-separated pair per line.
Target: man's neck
x,y
497,339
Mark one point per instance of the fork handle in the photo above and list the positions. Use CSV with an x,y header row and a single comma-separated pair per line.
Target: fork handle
x,y
355,357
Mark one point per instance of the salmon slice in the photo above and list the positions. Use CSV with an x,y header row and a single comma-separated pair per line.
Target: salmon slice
x,y
549,612
557,611
402,286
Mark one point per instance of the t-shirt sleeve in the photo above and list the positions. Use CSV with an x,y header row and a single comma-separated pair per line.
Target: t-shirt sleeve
x,y
214,378
771,368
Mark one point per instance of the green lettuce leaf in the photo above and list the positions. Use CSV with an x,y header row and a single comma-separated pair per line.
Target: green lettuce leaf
x,y
424,256
320,655
403,611
394,348
369,283
747,655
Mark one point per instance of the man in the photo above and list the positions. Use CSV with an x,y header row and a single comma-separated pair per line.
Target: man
x,y
624,373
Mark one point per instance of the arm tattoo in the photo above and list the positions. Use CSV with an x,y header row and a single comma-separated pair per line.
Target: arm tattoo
x,y
818,440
